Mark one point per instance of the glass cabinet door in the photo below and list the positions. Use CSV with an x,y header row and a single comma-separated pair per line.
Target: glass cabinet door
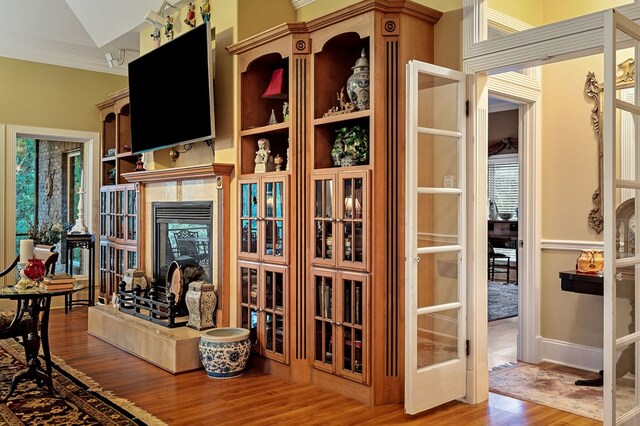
x,y
323,219
323,318
249,215
249,301
118,213
104,213
104,269
352,326
111,224
352,220
274,341
273,216
131,215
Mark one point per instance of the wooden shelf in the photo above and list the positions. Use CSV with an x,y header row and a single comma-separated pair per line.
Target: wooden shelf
x,y
272,128
180,173
110,158
126,154
341,117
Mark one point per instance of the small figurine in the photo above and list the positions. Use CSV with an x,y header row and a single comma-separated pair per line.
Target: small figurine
x,y
272,119
264,159
278,162
343,106
205,11
191,16
168,28
155,35
285,111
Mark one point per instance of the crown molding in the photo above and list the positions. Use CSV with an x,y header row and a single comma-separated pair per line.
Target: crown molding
x,y
297,4
16,51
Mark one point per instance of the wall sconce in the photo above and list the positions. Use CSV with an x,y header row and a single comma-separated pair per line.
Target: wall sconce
x,y
117,58
175,152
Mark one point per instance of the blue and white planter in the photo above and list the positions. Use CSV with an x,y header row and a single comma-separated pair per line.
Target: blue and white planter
x,y
224,351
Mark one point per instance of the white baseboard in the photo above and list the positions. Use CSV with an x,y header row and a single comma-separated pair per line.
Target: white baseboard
x,y
572,355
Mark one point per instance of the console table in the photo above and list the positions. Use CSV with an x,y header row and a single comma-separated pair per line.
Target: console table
x,y
577,282
88,242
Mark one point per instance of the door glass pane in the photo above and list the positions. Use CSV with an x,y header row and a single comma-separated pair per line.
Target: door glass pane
x,y
626,225
328,240
437,337
268,289
279,333
347,191
437,279
626,281
328,198
279,200
253,238
246,199
437,102
268,238
253,206
279,290
625,159
318,198
437,219
268,199
625,384
438,164
279,240
244,243
269,331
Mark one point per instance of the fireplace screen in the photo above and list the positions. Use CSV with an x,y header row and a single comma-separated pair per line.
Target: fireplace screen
x,y
183,234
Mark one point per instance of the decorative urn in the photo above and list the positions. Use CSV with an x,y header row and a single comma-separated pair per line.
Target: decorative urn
x,y
358,83
134,277
201,302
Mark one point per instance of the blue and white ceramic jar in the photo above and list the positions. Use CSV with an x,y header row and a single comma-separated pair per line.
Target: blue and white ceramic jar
x,y
358,83
224,352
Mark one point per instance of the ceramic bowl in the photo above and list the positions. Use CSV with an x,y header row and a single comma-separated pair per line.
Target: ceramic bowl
x,y
505,216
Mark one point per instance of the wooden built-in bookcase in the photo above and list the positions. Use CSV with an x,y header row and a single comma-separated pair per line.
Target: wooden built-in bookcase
x,y
118,199
345,288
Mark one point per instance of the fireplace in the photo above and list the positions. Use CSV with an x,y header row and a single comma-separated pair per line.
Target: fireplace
x,y
182,237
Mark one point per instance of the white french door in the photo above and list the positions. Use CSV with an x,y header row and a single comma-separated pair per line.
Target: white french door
x,y
435,307
621,208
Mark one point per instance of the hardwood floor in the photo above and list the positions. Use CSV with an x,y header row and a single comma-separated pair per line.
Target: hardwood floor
x,y
194,399
502,342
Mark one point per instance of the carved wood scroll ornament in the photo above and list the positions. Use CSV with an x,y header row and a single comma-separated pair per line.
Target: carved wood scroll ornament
x,y
593,89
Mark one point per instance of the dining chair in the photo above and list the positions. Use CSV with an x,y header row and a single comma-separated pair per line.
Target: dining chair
x,y
503,263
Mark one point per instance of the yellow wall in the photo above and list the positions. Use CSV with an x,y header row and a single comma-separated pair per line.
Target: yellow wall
x,y
35,94
529,11
555,10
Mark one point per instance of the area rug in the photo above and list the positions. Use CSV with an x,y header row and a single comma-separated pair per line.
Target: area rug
x,y
555,389
503,300
82,400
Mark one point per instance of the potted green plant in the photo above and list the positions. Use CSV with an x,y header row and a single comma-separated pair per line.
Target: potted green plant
x,y
351,146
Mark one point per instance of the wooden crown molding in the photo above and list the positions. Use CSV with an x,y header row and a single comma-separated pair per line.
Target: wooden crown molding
x,y
180,173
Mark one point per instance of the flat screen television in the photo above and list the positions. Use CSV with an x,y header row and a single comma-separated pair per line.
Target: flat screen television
x,y
171,93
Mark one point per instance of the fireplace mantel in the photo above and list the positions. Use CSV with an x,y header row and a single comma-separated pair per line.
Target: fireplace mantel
x,y
191,183
179,173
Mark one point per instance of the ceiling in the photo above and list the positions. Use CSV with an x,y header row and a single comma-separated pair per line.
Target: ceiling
x,y
74,33
77,33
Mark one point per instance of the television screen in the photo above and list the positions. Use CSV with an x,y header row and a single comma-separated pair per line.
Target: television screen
x,y
171,93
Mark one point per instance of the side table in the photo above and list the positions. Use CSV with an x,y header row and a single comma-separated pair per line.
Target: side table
x,y
88,242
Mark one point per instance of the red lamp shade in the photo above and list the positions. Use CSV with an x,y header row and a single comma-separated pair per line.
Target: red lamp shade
x,y
275,88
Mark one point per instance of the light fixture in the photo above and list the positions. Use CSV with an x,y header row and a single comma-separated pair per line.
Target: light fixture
x,y
158,19
118,58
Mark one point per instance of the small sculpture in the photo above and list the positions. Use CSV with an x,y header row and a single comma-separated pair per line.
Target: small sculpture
x,y
205,11
272,119
285,111
191,16
343,106
264,159
278,162
168,28
155,35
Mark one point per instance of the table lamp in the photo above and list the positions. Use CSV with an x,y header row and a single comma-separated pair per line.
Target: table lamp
x,y
26,254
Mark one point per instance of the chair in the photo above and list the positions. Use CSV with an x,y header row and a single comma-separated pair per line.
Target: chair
x,y
503,265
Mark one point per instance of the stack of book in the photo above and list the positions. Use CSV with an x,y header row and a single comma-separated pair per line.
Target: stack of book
x,y
58,282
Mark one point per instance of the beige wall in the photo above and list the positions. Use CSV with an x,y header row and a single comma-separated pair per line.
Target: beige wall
x,y
503,124
569,177
35,94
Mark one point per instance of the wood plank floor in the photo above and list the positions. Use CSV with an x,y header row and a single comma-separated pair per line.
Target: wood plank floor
x,y
194,399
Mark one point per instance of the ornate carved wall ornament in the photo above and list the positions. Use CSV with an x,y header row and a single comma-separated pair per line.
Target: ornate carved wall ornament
x,y
624,75
593,89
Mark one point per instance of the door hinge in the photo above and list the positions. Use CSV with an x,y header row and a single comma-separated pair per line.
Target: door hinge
x,y
466,107
467,348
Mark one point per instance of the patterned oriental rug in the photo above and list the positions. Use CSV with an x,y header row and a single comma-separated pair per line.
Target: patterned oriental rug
x,y
557,390
83,402
503,300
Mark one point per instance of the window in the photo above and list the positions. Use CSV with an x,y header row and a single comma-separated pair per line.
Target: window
x,y
25,187
503,182
73,183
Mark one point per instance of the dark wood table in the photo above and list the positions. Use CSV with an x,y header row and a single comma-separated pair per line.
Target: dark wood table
x,y
81,241
593,284
37,303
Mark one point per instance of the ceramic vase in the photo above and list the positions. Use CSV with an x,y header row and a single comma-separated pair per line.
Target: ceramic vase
x,y
224,352
358,83
201,302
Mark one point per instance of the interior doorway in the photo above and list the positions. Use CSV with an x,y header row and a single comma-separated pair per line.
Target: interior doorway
x,y
503,189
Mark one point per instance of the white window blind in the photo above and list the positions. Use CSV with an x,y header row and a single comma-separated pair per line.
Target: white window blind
x,y
503,182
